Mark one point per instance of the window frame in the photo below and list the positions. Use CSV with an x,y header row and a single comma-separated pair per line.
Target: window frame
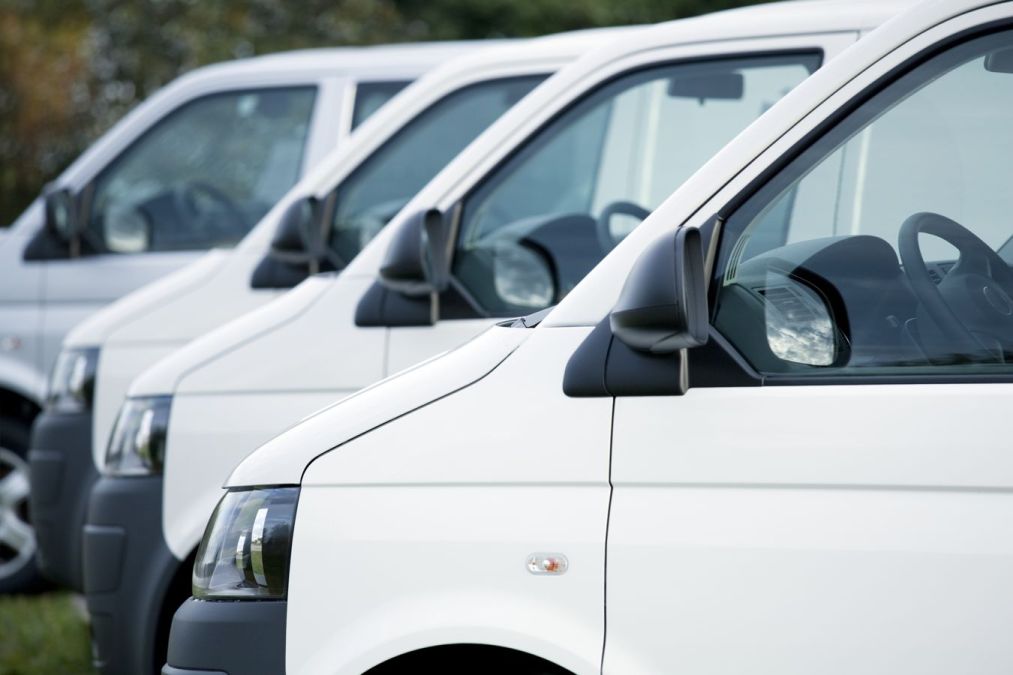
x,y
734,358
86,195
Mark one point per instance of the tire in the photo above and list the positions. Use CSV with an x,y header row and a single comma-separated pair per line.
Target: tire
x,y
19,572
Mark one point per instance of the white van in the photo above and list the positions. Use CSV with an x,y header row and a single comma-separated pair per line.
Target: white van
x,y
344,203
193,167
765,435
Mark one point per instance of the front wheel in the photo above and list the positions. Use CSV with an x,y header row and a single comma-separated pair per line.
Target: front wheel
x,y
19,572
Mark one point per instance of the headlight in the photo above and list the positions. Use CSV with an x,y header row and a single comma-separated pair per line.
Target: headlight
x,y
72,383
137,446
245,551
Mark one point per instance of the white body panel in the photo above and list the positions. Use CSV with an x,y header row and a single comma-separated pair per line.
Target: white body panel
x,y
42,300
792,529
467,581
804,547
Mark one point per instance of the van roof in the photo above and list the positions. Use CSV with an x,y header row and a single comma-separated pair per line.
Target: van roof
x,y
777,18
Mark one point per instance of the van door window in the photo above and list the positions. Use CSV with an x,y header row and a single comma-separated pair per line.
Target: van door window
x,y
876,250
370,97
550,212
204,175
382,184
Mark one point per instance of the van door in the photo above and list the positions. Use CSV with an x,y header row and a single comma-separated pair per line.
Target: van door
x,y
532,228
847,508
199,178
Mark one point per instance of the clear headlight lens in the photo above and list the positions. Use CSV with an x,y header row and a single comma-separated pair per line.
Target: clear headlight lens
x,y
246,548
72,382
137,446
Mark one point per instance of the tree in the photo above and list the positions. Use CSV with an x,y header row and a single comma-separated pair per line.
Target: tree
x,y
70,69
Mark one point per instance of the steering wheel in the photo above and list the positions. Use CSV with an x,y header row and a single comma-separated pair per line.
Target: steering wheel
x,y
602,229
187,197
972,306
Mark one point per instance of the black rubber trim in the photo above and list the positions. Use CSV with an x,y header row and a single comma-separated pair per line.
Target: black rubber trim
x,y
169,670
238,638
603,366
382,307
128,570
46,245
62,473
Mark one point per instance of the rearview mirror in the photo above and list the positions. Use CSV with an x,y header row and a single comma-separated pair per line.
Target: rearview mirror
x,y
663,305
726,86
1000,61
416,261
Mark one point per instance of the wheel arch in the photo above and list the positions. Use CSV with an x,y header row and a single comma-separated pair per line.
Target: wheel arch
x,y
18,404
465,658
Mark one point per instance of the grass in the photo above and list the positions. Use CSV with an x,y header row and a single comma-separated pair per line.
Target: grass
x,y
43,634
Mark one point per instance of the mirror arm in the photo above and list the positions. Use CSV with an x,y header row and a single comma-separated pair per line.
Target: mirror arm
x,y
434,251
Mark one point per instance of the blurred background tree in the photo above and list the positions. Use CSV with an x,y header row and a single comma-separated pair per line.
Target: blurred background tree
x,y
70,68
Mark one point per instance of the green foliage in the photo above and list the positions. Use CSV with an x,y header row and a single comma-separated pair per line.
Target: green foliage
x,y
70,68
41,635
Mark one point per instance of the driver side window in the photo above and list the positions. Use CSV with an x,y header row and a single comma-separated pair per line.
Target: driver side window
x,y
532,230
880,249
204,175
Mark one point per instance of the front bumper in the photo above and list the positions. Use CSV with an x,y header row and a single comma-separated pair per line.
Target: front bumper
x,y
62,473
132,581
233,638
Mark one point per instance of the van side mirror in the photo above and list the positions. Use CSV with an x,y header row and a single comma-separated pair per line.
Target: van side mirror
x,y
298,232
663,305
298,249
416,262
61,214
61,234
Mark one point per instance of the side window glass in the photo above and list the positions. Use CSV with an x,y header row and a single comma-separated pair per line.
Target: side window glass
x,y
881,248
549,213
205,174
381,185
370,97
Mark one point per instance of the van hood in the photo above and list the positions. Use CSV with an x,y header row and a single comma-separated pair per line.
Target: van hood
x,y
96,329
164,377
284,459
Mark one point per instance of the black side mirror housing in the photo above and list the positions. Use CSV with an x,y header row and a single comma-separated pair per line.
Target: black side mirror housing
x,y
298,249
663,305
298,233
61,213
60,236
416,262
